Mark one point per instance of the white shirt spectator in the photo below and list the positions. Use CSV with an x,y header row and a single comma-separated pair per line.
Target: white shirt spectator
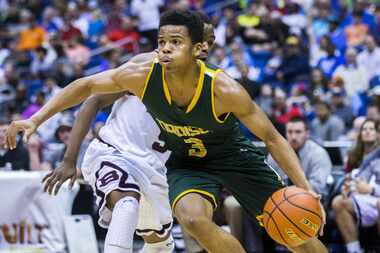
x,y
355,78
370,61
148,13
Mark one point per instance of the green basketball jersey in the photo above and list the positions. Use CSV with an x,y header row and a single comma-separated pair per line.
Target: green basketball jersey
x,y
194,132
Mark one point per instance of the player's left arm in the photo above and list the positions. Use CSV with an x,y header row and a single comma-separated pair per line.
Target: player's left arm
x,y
230,96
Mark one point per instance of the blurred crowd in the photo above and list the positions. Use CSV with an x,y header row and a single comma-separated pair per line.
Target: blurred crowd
x,y
315,60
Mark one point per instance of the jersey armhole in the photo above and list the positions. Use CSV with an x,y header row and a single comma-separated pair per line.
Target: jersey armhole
x,y
148,79
213,99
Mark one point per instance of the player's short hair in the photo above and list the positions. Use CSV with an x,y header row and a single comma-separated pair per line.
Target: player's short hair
x,y
190,19
301,120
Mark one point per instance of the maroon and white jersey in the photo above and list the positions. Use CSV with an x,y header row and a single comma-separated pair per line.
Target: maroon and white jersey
x,y
131,130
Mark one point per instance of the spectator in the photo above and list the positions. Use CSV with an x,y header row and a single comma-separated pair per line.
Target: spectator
x,y
366,142
123,28
15,159
4,51
240,70
355,77
33,36
249,22
358,204
373,98
331,61
373,111
39,101
339,106
294,64
281,113
40,63
298,98
219,58
369,58
62,69
314,158
353,133
294,18
319,84
68,31
265,98
148,13
326,126
320,25
357,30
54,152
76,52
51,21
96,26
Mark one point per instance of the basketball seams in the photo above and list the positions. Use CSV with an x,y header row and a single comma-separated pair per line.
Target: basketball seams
x,y
287,198
305,209
270,217
294,224
291,196
278,230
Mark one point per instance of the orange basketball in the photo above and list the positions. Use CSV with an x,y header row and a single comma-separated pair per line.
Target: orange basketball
x,y
291,216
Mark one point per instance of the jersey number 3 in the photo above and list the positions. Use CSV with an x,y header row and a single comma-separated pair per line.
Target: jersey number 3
x,y
197,147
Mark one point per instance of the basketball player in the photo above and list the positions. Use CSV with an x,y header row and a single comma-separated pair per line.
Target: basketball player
x,y
128,132
196,108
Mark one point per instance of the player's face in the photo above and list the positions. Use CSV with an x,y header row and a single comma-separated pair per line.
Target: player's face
x,y
296,134
208,41
175,48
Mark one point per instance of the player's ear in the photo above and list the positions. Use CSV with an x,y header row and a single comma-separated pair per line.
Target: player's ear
x,y
197,49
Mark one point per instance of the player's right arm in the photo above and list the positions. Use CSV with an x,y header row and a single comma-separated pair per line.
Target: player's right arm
x,y
128,77
67,168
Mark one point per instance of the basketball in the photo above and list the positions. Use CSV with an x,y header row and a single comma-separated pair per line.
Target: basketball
x,y
291,216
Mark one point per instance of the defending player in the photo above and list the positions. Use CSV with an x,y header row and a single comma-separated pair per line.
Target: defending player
x,y
197,108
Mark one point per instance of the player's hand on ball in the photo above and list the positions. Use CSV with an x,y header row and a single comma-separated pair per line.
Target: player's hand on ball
x,y
54,180
318,196
28,127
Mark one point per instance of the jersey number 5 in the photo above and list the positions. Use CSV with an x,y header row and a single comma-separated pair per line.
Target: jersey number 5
x,y
197,147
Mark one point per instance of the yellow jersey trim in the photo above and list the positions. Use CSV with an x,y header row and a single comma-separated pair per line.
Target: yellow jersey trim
x,y
260,219
195,191
147,80
209,72
199,89
165,86
213,98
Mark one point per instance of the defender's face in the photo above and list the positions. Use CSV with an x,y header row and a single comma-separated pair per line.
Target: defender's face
x,y
208,41
175,48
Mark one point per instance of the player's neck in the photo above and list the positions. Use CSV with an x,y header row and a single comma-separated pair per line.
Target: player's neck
x,y
183,78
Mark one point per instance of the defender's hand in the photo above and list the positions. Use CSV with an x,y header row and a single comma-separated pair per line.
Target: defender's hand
x,y
54,180
28,127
